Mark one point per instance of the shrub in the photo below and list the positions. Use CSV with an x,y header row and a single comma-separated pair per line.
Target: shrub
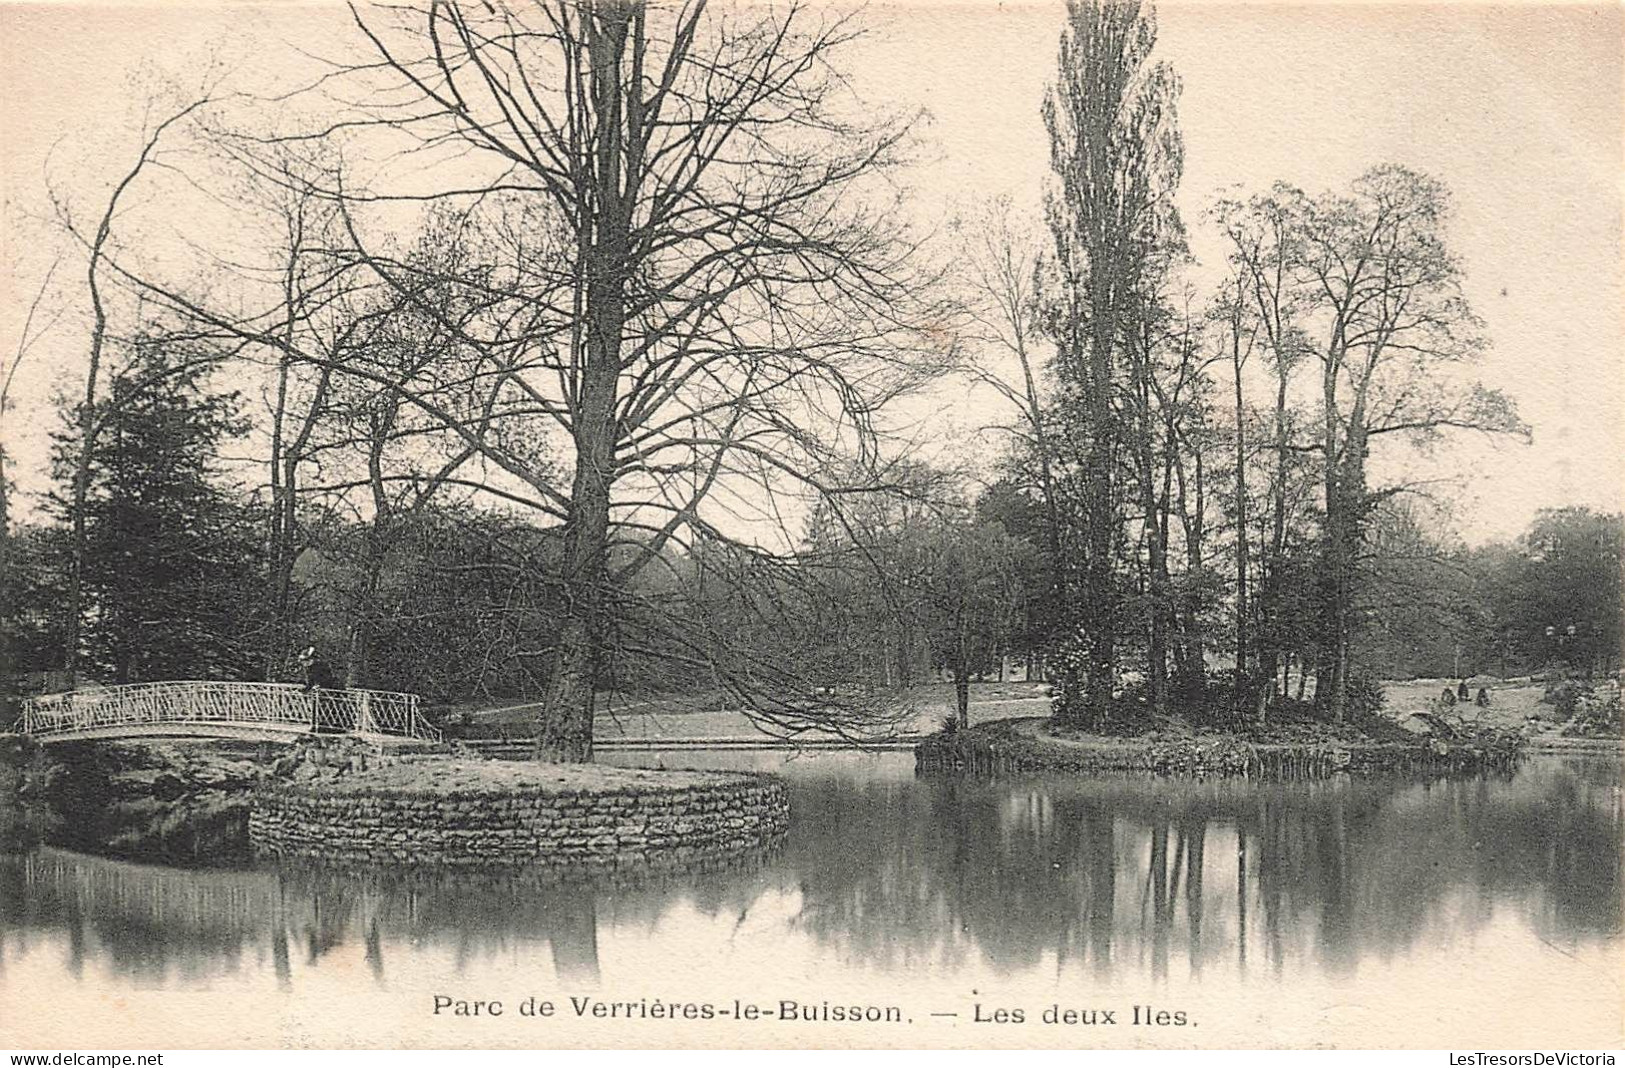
x,y
1599,712
1365,695
1222,704
1564,696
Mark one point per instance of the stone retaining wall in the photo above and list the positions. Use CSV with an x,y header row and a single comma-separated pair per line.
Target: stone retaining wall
x,y
588,829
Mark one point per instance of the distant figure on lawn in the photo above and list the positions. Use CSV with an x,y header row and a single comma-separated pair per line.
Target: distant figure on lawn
x,y
1483,700
1462,693
1447,698
317,677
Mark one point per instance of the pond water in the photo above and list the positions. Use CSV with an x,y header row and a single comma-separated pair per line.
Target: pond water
x,y
1476,914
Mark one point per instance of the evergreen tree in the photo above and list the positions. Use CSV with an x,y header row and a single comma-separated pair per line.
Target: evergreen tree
x,y
1563,598
170,557
32,598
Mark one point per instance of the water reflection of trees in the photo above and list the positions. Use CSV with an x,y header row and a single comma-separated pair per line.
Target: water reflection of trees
x,y
1140,872
154,923
1103,874
131,916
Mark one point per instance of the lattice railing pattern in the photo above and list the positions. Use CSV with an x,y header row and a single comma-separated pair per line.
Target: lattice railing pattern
x,y
226,703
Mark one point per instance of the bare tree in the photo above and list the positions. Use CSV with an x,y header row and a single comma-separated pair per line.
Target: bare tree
x,y
1239,336
381,452
27,337
693,286
968,578
97,246
1163,376
1383,305
1260,307
1001,262
299,214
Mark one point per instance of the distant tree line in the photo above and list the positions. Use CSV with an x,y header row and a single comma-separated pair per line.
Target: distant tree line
x,y
463,602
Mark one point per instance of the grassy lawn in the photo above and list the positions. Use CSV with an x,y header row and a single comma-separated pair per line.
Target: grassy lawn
x,y
447,777
700,715
1512,703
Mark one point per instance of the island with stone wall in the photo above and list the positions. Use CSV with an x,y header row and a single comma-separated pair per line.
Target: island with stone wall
x,y
455,810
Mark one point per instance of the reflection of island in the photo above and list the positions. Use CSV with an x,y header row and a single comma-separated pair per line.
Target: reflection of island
x,y
1113,874
154,922
1141,870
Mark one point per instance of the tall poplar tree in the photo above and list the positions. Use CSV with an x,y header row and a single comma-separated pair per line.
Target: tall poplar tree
x,y
1117,156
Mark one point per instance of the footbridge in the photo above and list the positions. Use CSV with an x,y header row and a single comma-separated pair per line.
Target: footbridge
x,y
249,711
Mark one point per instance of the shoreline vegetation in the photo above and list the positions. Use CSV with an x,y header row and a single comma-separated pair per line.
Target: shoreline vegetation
x,y
1412,733
191,803
1036,744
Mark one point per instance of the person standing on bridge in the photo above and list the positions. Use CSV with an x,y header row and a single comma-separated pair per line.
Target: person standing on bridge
x,y
317,677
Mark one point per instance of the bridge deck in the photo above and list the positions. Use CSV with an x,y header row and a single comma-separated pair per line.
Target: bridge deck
x,y
210,709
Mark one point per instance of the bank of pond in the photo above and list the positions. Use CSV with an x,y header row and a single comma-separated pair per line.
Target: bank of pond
x,y
1043,745
343,802
338,801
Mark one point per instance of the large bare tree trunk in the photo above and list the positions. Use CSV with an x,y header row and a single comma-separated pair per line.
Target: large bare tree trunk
x,y
566,727
1345,501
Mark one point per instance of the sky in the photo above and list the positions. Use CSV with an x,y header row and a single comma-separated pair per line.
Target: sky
x,y
1519,109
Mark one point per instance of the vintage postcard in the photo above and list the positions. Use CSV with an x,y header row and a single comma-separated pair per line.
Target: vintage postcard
x,y
1087,524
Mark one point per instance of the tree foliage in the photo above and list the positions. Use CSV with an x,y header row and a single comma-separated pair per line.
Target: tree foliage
x,y
170,560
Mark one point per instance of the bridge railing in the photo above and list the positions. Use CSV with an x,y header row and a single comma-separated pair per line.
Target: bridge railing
x,y
284,705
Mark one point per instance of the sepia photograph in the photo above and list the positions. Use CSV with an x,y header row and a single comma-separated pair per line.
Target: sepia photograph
x,y
808,524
